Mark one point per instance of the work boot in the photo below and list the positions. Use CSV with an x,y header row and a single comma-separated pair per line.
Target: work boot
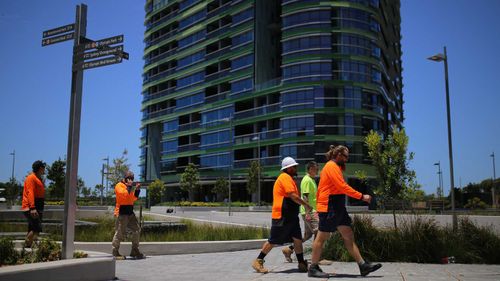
x,y
258,265
287,252
315,271
368,267
302,266
117,255
136,254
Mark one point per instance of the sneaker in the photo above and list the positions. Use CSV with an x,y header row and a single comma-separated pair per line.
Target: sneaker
x,y
117,255
258,265
136,254
287,252
315,271
302,266
368,267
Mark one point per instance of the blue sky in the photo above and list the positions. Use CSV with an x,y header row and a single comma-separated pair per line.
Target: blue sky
x,y
35,86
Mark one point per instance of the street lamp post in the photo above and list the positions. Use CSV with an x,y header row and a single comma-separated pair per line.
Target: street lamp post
x,y
439,58
440,173
493,195
13,153
107,172
257,138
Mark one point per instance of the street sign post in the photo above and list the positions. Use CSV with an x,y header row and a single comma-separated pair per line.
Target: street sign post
x,y
77,31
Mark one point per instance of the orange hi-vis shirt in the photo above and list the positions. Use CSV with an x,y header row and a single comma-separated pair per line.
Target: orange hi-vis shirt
x,y
123,197
282,204
33,190
332,183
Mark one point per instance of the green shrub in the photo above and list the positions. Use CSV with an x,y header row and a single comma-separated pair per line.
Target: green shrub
x,y
47,250
418,239
8,254
475,203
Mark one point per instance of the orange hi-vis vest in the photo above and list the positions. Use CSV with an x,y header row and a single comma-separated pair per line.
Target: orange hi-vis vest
x,y
33,193
282,204
123,197
332,183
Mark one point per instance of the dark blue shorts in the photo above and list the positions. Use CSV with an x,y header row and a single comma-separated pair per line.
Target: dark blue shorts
x,y
284,230
34,224
328,222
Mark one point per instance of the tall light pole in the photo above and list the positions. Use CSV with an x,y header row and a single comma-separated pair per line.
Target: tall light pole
x,y
230,167
439,58
440,193
107,172
257,138
13,153
493,195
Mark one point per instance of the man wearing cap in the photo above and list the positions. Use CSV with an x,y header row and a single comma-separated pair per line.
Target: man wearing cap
x,y
33,201
125,217
285,227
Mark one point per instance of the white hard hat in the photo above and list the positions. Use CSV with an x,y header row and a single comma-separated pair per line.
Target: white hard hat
x,y
288,162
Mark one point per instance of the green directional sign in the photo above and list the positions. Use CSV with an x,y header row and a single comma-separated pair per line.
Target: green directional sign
x,y
59,30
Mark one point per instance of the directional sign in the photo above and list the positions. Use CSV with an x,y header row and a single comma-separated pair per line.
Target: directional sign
x,y
58,30
57,39
101,53
104,42
101,62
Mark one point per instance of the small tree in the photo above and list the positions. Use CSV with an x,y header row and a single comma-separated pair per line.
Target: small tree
x,y
253,177
221,187
395,180
117,170
56,173
85,192
98,190
190,180
12,191
156,189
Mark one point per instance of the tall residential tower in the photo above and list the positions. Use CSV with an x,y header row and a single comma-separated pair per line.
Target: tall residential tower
x,y
231,82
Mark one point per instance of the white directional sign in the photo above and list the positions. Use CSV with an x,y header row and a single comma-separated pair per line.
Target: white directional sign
x,y
101,62
102,53
104,42
59,30
57,39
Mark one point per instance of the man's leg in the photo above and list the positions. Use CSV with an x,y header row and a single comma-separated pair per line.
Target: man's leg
x,y
133,225
314,269
348,237
258,263
120,230
299,252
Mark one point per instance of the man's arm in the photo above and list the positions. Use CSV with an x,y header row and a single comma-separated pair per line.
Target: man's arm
x,y
298,200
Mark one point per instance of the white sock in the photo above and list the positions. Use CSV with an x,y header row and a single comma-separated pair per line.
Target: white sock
x,y
362,261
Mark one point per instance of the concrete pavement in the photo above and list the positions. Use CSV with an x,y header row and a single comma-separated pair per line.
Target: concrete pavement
x,y
236,266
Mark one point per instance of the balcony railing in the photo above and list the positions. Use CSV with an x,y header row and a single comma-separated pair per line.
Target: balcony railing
x,y
189,126
217,75
162,20
219,10
188,147
149,61
254,137
159,113
217,97
155,41
159,94
218,53
258,111
264,161
159,75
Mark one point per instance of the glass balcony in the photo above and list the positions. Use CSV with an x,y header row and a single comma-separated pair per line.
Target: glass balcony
x,y
189,126
258,111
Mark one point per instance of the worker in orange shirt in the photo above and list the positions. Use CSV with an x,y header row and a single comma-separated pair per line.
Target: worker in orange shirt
x,y
332,212
125,217
285,227
33,201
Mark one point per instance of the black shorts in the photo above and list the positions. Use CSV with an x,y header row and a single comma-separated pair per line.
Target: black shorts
x,y
34,224
284,230
328,222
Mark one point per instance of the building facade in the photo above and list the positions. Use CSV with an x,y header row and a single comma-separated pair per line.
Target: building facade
x,y
231,82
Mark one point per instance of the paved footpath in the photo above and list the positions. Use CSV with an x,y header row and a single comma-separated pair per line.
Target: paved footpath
x,y
235,266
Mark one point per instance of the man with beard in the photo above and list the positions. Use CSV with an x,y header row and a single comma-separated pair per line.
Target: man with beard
x,y
332,213
285,227
33,202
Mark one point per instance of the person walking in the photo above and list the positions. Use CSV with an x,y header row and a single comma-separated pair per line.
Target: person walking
x,y
125,217
33,201
332,212
285,226
308,190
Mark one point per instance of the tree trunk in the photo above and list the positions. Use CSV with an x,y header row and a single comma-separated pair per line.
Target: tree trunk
x,y
394,214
